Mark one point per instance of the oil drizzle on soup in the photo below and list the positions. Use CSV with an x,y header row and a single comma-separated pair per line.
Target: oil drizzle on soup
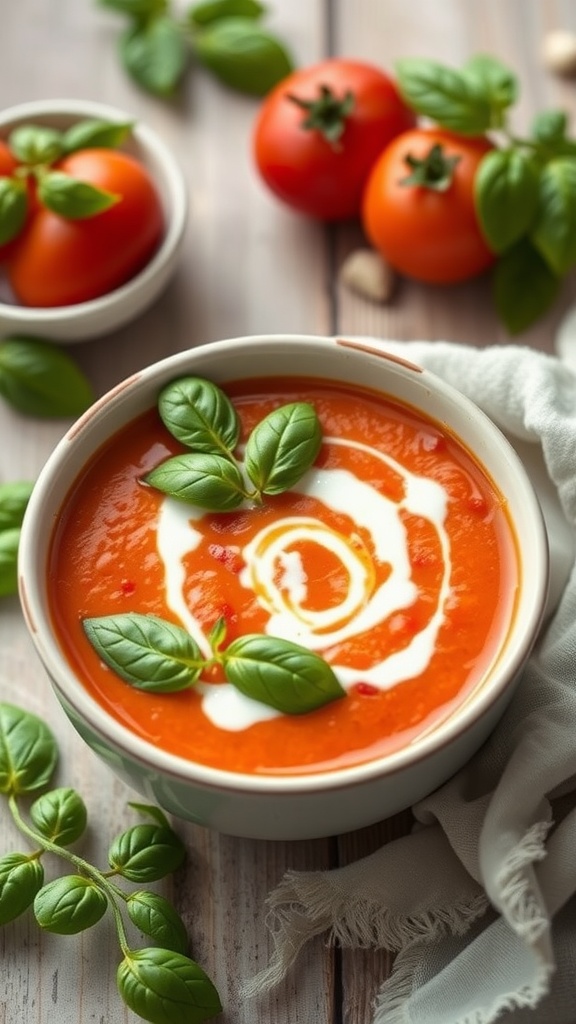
x,y
393,558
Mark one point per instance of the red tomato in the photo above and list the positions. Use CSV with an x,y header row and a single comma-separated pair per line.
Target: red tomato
x,y
59,262
427,233
7,162
319,177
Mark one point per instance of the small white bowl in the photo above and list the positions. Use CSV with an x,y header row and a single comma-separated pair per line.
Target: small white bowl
x,y
84,320
302,806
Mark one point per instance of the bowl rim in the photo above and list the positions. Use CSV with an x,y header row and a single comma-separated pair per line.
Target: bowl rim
x,y
185,771
48,316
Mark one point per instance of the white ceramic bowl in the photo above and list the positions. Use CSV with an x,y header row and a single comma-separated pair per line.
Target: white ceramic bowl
x,y
79,322
314,804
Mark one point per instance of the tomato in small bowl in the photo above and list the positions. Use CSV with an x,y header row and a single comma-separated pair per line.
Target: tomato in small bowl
x,y
75,279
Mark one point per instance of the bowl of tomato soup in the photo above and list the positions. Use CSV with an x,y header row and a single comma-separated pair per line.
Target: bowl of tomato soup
x,y
284,586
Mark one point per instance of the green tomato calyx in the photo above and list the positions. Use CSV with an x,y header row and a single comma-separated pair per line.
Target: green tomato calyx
x,y
327,113
435,171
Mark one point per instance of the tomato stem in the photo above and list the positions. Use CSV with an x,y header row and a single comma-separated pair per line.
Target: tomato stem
x,y
435,171
327,113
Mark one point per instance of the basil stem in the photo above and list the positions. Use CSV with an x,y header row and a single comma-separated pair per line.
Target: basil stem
x,y
161,984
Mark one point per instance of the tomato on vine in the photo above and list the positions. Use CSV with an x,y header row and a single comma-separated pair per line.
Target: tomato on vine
x,y
418,208
318,133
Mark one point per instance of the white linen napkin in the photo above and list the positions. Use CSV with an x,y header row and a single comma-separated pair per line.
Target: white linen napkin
x,y
478,901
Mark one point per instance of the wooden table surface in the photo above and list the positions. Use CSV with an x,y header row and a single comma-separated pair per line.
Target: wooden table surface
x,y
249,266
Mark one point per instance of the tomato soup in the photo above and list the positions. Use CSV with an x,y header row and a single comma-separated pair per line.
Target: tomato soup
x,y
393,559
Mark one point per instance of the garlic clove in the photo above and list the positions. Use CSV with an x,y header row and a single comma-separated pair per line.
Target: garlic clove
x,y
365,272
559,52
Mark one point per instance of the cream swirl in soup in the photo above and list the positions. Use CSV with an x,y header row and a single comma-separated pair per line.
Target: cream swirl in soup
x,y
274,572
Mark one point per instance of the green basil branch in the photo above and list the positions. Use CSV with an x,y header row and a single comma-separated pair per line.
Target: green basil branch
x,y
160,657
160,983
525,189
224,36
279,450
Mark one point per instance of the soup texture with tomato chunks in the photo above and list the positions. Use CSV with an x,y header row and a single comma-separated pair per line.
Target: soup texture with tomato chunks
x,y
391,559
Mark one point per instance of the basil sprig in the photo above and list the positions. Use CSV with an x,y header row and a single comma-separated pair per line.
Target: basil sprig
x,y
37,148
525,189
279,450
226,37
160,657
158,982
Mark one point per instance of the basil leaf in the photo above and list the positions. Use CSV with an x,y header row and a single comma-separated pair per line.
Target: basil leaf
x,y
212,482
156,917
217,634
151,810
449,97
60,816
14,497
39,379
145,853
95,132
524,286
283,675
28,751
69,905
147,652
35,144
9,541
71,198
495,81
155,54
549,126
165,987
137,9
200,415
282,447
554,234
549,131
506,192
21,876
212,10
242,55
13,208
